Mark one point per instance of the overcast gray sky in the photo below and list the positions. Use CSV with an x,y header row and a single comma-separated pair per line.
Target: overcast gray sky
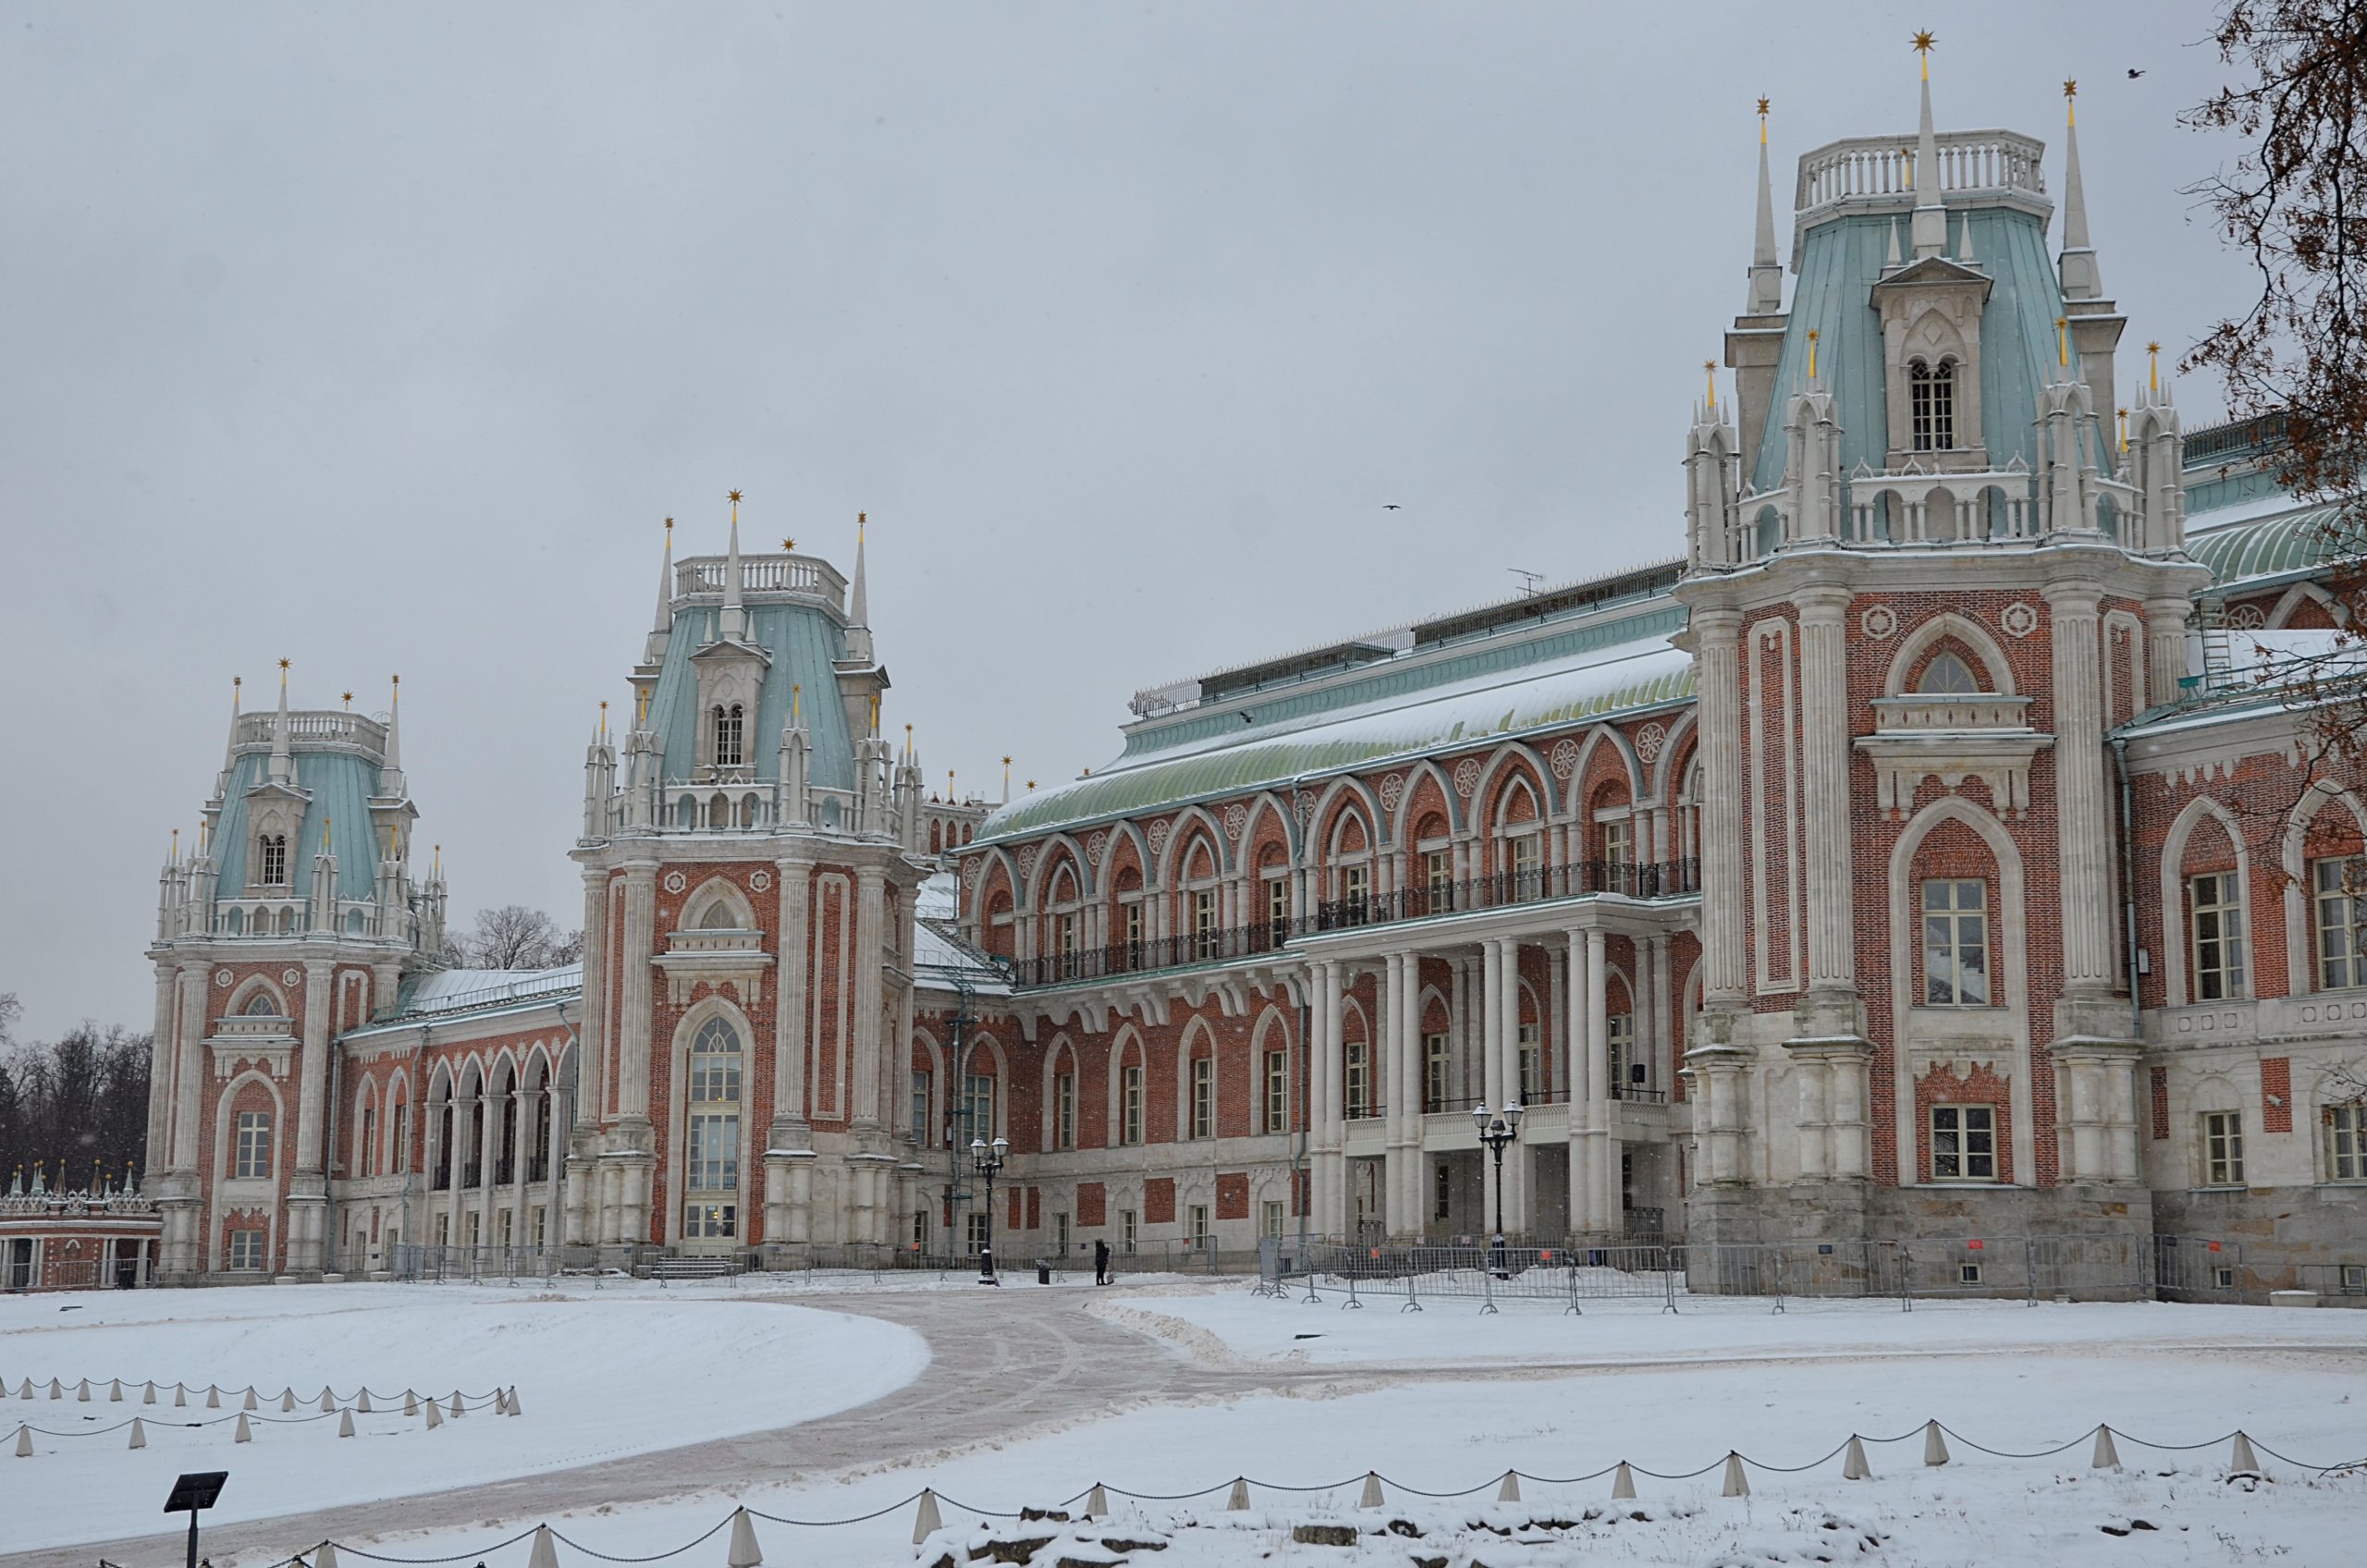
x,y
382,339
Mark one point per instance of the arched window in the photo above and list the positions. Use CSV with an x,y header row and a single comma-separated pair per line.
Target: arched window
x,y
271,859
686,813
1947,675
711,1163
727,726
235,921
1931,404
260,1005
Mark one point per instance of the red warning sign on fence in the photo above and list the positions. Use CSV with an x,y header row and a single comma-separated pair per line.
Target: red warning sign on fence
x,y
1547,1255
1975,1247
2215,1246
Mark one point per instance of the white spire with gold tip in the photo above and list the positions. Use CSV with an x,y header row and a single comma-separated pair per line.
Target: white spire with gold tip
x,y
1766,297
2076,264
732,626
390,771
859,602
663,627
1931,230
281,765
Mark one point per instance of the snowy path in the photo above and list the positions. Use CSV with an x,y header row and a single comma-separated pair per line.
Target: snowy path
x,y
1014,1402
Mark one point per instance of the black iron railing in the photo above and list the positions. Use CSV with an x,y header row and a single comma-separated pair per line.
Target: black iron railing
x,y
1661,879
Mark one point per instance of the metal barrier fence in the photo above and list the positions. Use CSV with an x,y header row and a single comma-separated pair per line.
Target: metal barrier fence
x,y
2081,1267
793,1262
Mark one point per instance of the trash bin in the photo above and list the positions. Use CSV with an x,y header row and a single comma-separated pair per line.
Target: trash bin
x,y
1043,1272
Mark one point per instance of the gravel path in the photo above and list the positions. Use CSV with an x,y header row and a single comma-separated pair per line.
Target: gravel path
x,y
1001,1363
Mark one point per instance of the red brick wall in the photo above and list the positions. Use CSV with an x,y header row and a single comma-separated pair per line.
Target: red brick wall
x,y
1159,1201
2276,1094
1233,1195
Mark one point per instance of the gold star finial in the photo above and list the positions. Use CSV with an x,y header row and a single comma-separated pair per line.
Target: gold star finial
x,y
1923,40
1762,108
789,545
733,497
2070,87
283,664
349,702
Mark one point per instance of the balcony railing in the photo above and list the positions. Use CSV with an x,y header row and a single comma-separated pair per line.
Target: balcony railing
x,y
1661,879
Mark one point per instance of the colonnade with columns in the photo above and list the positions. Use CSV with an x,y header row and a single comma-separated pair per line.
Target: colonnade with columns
x,y
526,1109
1484,1004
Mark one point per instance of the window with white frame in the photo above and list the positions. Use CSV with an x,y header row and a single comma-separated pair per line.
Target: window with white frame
x,y
2223,1148
1359,1083
1064,1111
1277,1092
977,1108
1619,843
1522,857
921,1076
1442,1190
1130,1106
1064,942
1270,1218
1964,1143
1356,885
1931,405
1204,923
1126,1231
1133,923
920,1230
246,1251
272,859
2217,917
2346,1128
252,1157
730,751
711,1142
1437,1065
1438,878
1956,943
1059,1231
1619,1051
398,1155
975,1223
1204,1098
2337,889
1532,1064
1278,905
1195,1224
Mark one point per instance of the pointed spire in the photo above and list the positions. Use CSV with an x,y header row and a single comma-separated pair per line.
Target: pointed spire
x,y
663,627
279,759
1931,236
390,771
1766,270
733,625
2076,264
859,602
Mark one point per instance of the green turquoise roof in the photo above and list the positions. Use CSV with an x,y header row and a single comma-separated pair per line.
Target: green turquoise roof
x,y
342,784
1404,708
1843,258
2292,544
805,643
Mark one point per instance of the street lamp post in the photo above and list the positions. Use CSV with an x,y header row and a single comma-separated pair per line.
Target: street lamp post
x,y
1497,1130
986,1160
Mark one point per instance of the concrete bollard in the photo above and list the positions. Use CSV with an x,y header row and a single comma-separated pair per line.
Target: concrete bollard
x,y
1097,1502
82,1391
1372,1498
926,1522
29,1390
57,1389
1238,1503
411,1402
242,1433
2107,1457
434,1417
288,1401
545,1553
2243,1462
1737,1484
325,1555
1935,1448
328,1402
1623,1483
115,1392
148,1395
345,1422
250,1402
362,1402
513,1401
212,1397
500,1401
24,1441
1510,1490
744,1553
459,1408
138,1435
1853,1463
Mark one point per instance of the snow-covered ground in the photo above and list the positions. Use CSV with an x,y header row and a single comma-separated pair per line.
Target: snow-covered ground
x,y
1448,1331
598,1374
1444,1401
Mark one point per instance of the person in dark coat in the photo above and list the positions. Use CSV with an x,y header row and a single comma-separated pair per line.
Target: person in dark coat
x,y
1101,1263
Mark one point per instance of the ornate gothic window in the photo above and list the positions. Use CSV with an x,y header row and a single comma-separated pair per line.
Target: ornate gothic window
x,y
261,1005
1931,404
1956,943
727,726
271,859
711,1167
1947,675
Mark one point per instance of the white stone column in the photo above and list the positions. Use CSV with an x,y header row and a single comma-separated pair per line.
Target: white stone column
x,y
869,927
1830,852
1717,633
592,1027
2165,648
634,1011
1332,1163
1491,1017
1603,1195
1411,1071
2082,826
1809,1085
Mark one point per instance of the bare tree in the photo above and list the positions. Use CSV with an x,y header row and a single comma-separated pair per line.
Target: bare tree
x,y
513,936
77,1108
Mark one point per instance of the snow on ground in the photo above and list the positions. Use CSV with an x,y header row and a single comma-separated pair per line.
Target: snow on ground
x,y
598,1374
2295,1380
1450,1331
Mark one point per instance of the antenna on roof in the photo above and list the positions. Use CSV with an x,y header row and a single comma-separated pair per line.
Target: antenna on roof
x,y
1529,579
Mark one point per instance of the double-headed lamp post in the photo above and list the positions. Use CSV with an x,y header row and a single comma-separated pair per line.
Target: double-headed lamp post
x,y
986,1159
1497,1129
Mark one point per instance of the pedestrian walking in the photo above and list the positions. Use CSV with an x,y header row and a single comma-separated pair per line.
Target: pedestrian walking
x,y
1101,1263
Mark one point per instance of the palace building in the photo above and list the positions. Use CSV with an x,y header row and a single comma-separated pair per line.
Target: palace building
x,y
1928,846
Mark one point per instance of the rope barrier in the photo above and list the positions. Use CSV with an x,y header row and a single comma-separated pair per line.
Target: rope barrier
x,y
479,1553
254,1418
